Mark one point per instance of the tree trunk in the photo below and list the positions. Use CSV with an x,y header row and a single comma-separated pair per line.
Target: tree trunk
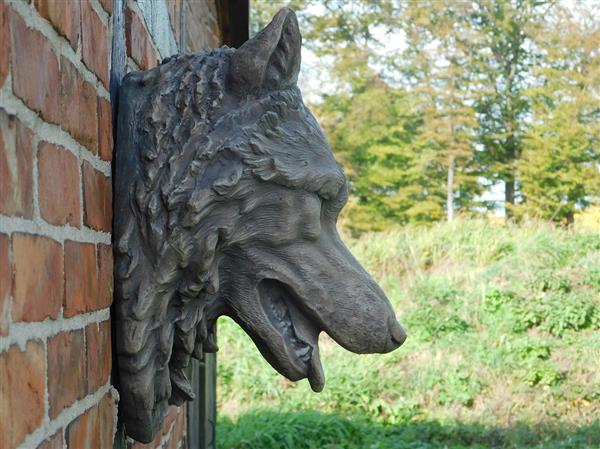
x,y
570,218
450,189
509,196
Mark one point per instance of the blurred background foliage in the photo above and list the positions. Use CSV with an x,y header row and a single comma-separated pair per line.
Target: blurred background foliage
x,y
470,133
438,109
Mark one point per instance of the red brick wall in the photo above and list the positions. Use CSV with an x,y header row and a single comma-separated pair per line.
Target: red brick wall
x,y
56,217
55,224
202,30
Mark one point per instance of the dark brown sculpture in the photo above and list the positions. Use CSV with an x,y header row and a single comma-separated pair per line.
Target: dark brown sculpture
x,y
227,196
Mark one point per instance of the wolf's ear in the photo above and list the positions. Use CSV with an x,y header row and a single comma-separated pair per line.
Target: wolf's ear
x,y
270,60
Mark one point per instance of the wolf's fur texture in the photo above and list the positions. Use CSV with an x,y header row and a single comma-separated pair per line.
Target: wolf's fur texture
x,y
225,184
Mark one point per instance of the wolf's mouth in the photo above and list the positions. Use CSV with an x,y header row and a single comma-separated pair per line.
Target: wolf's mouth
x,y
299,334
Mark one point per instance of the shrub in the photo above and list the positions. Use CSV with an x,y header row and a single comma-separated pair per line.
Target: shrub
x,y
553,308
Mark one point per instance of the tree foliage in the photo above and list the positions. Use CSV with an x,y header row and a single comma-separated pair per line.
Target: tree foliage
x,y
375,134
431,104
438,47
558,170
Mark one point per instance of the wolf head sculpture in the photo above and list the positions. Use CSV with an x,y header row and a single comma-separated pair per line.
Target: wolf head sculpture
x,y
227,196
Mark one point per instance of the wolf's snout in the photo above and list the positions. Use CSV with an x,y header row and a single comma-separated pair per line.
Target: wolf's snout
x,y
345,301
397,334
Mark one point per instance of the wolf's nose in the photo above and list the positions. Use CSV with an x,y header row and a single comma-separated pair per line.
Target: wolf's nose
x,y
397,332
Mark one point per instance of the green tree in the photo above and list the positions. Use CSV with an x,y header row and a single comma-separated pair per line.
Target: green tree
x,y
558,170
438,59
407,179
375,134
484,91
262,11
506,50
348,38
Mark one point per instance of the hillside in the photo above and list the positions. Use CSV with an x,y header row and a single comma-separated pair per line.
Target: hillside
x,y
503,350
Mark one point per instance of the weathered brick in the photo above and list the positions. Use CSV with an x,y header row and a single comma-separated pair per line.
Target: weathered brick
x,y
66,370
178,432
81,278
155,443
94,38
30,51
22,389
58,185
93,429
167,424
5,284
139,46
107,5
16,167
53,442
64,17
201,27
212,8
5,39
78,106
97,337
38,277
97,199
105,129
105,276
175,17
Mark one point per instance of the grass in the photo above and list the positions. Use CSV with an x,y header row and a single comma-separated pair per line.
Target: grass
x,y
503,351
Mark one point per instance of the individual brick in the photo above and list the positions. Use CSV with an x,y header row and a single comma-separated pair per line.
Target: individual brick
x,y
30,50
105,276
97,199
78,106
94,38
105,130
5,39
81,278
16,167
99,355
22,389
5,284
66,370
93,429
64,17
139,46
59,185
53,442
38,277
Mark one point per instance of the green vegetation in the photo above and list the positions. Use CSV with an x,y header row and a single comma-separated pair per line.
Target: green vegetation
x,y
503,350
429,104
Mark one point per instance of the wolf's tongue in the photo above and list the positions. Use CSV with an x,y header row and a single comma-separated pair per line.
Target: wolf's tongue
x,y
316,377
306,331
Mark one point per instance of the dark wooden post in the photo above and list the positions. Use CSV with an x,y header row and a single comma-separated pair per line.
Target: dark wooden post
x,y
202,411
